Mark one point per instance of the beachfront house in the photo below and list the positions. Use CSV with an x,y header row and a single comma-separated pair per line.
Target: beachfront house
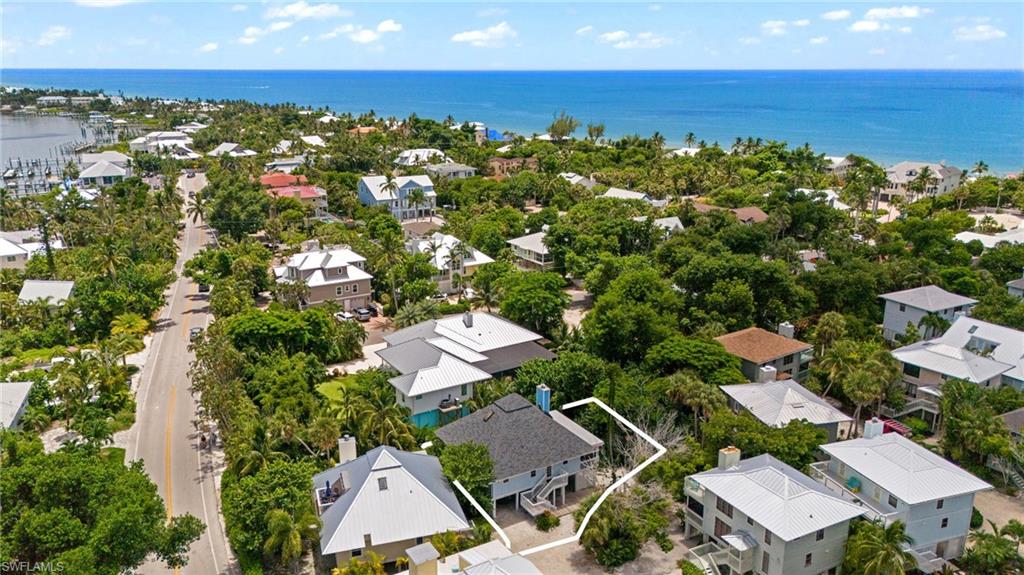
x,y
838,166
900,176
13,401
51,101
439,362
450,257
17,246
451,171
332,274
910,306
531,253
539,455
231,150
102,174
386,501
776,403
894,478
766,356
759,515
394,194
421,157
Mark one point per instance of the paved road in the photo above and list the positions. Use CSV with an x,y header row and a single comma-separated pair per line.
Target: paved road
x,y
166,439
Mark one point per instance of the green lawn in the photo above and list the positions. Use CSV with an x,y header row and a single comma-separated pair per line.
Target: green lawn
x,y
331,389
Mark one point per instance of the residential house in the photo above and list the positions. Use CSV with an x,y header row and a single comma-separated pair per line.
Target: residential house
x,y
895,479
467,349
747,215
776,403
684,152
378,190
669,225
155,142
910,306
285,165
285,146
362,130
13,401
902,174
450,256
767,356
117,158
103,174
51,101
451,171
332,274
539,455
621,194
281,185
989,241
420,229
385,501
282,179
232,150
16,247
1016,287
328,119
191,127
421,157
491,558
54,292
181,153
531,252
578,180
759,515
838,166
1014,421
504,167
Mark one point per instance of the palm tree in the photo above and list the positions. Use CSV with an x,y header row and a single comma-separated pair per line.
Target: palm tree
x,y
129,323
862,388
384,422
392,253
486,296
417,198
990,552
415,312
934,325
839,360
371,564
925,181
690,139
685,389
345,407
880,550
1013,529
980,168
287,533
197,208
830,329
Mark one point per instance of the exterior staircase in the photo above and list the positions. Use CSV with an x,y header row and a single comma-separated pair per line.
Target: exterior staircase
x,y
535,500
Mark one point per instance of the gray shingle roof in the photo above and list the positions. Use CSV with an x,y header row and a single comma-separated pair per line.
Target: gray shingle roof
x,y
929,298
519,436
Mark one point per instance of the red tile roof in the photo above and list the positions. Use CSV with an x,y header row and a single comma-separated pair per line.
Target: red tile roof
x,y
298,192
280,179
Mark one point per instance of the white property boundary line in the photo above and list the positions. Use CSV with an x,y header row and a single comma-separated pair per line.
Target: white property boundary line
x,y
659,451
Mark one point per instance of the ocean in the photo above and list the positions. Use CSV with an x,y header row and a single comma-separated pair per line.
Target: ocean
x,y
959,117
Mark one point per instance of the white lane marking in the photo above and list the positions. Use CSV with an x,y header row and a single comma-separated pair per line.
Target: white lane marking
x,y
206,514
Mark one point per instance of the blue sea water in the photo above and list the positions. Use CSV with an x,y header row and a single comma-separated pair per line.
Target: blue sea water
x,y
956,116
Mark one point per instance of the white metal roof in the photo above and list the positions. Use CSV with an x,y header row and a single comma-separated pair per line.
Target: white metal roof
x,y
88,159
488,332
417,156
531,242
103,169
313,141
625,194
511,565
778,497
777,403
898,465
53,291
329,258
449,372
13,396
959,351
1014,236
929,298
232,149
439,247
377,186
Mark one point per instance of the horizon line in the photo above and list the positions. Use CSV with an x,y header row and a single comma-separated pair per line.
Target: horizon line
x,y
522,70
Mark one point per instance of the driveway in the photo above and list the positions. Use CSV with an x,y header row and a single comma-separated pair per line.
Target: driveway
x,y
998,507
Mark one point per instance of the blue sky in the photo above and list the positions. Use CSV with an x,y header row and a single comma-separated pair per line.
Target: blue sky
x,y
523,36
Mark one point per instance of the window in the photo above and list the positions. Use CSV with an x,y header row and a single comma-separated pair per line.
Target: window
x,y
337,290
419,540
355,288
787,360
819,535
464,390
724,507
945,522
765,559
767,537
382,483
357,552
11,258
939,503
721,528
911,370
903,307
750,521
533,473
808,559
348,288
419,397
892,501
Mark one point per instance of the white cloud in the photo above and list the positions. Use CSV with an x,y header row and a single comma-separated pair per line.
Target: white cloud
x,y
9,45
103,3
896,12
492,37
278,26
389,26
642,40
905,29
749,40
979,33
836,15
491,13
868,26
364,36
208,47
52,35
616,36
253,33
239,8
801,23
584,30
877,51
302,11
279,50
818,40
343,29
773,27
304,39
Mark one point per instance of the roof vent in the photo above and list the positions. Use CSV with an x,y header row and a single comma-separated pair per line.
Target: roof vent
x,y
489,415
467,319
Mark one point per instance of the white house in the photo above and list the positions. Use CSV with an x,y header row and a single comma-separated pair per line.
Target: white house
x,y
669,225
16,247
420,157
451,170
285,146
578,180
191,127
989,241
760,515
385,501
378,190
54,292
531,253
285,165
894,478
828,196
155,142
902,174
776,403
232,150
102,174
117,158
837,165
450,256
912,305
13,401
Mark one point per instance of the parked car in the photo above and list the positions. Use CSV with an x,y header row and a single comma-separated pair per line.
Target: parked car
x,y
344,316
439,297
373,310
363,314
195,333
204,288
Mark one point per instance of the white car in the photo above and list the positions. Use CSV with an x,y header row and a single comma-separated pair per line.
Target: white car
x,y
344,316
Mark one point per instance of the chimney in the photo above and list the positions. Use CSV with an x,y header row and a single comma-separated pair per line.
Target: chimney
x,y
544,398
423,559
728,457
346,449
767,374
786,329
873,428
467,319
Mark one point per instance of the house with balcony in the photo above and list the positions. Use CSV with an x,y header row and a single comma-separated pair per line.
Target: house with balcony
x,y
910,306
893,478
501,168
282,185
539,455
759,515
531,253
156,142
18,246
776,403
103,174
766,356
901,176
440,361
117,158
394,194
332,274
386,501
450,256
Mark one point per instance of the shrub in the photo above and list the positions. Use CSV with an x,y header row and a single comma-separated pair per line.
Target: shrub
x,y
977,520
918,426
689,568
547,521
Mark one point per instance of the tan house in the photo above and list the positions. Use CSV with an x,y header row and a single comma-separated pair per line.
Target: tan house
x,y
332,274
503,167
766,356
